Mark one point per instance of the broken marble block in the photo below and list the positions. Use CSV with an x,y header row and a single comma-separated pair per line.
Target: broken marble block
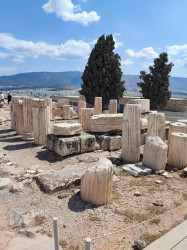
x,y
115,143
137,170
55,180
71,145
87,143
96,183
155,153
67,129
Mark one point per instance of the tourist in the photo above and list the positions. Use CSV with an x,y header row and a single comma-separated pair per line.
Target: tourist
x,y
2,98
9,98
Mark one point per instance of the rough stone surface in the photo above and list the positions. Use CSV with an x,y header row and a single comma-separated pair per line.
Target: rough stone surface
x,y
177,127
87,143
71,145
16,220
155,153
66,112
62,102
177,156
103,141
115,143
113,107
4,182
86,114
137,170
106,122
131,137
96,183
56,180
156,125
145,104
5,237
81,104
67,129
98,106
41,121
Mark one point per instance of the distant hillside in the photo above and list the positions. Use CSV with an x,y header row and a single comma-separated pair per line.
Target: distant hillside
x,y
72,79
63,80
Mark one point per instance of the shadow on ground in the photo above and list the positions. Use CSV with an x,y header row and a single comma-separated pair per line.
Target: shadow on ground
x,y
20,146
77,205
49,156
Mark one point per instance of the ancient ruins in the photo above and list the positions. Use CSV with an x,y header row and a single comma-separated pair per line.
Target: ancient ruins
x,y
144,142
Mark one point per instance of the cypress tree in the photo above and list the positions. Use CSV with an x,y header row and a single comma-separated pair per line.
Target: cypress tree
x,y
155,85
102,74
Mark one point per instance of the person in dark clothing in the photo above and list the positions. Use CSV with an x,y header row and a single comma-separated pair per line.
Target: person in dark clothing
x,y
9,98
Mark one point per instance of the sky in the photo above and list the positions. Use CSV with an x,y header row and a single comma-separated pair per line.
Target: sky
x,y
58,35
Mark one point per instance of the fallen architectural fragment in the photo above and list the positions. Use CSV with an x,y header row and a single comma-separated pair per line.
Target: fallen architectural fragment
x,y
155,153
41,120
96,183
113,107
67,129
137,170
156,125
131,137
98,106
71,145
177,127
106,122
145,104
177,157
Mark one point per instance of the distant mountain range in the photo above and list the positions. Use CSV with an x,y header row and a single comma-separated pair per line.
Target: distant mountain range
x,y
72,79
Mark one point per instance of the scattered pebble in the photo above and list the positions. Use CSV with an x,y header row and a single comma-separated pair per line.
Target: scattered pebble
x,y
137,193
158,203
158,181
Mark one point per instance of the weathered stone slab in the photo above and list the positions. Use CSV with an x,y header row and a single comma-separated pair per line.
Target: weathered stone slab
x,y
155,153
106,122
67,146
87,143
4,182
67,129
137,170
71,145
145,104
62,102
115,143
56,180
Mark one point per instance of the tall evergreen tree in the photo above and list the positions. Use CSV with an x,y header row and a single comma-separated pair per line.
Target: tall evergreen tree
x,y
102,74
155,85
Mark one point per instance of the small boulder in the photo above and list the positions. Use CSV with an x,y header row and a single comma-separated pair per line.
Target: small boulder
x,y
140,244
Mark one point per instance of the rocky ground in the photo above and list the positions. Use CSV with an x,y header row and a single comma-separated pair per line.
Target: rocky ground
x,y
27,211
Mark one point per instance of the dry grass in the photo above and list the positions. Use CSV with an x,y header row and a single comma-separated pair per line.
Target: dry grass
x,y
94,218
149,238
63,243
156,221
184,195
39,219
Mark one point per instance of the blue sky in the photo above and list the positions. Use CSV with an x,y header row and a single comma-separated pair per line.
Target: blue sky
x,y
58,35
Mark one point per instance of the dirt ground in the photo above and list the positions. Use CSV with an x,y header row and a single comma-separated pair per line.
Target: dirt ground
x,y
79,219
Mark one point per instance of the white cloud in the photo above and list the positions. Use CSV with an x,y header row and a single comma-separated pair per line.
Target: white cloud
x,y
117,34
67,11
127,62
145,53
182,62
21,49
176,49
3,55
117,43
7,69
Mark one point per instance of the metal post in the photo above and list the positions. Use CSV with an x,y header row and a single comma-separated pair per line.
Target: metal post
x,y
55,228
88,242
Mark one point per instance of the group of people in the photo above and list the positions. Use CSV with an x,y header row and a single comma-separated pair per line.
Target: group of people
x,y
2,97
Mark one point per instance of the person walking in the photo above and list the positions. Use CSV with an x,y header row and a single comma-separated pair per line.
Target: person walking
x,y
9,98
2,97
